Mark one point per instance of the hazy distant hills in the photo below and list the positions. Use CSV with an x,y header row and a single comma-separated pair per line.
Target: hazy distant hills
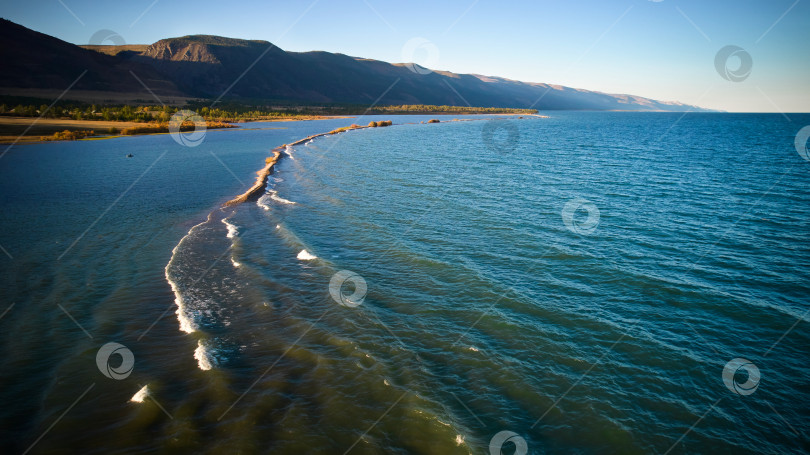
x,y
206,66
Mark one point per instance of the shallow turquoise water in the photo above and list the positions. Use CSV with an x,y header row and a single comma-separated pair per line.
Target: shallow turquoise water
x,y
580,280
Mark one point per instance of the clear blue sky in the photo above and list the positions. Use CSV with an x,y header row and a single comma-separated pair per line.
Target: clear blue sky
x,y
658,49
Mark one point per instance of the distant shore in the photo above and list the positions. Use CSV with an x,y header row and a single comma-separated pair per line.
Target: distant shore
x,y
31,130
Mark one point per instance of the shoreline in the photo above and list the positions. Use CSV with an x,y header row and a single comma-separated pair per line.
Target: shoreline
x,y
270,162
42,129
264,173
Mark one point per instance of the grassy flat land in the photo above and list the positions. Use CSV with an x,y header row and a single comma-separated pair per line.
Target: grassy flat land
x,y
42,130
12,127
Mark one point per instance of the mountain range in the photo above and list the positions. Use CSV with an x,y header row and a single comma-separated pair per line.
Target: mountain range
x,y
213,67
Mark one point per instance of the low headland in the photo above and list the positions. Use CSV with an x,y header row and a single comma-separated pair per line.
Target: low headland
x,y
28,120
270,162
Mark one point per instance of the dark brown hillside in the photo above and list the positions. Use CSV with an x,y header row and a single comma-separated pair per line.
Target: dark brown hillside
x,y
35,60
207,66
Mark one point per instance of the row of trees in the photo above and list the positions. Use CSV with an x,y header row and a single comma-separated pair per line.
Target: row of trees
x,y
228,113
144,114
123,113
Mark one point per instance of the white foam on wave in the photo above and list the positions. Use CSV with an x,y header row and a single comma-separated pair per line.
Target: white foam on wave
x,y
205,361
263,202
140,395
295,243
305,255
233,229
186,323
274,196
288,150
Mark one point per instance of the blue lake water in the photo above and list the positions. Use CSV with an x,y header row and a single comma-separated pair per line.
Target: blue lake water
x,y
581,281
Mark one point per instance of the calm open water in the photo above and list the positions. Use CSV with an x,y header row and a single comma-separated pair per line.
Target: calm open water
x,y
582,282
